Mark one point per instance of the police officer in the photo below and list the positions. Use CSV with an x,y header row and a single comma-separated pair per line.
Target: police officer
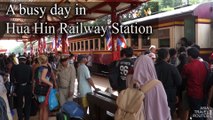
x,y
21,76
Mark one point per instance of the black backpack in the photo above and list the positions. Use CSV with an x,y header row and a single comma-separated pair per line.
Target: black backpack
x,y
114,75
3,110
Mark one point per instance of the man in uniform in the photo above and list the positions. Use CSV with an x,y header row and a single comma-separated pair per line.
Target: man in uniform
x,y
21,75
66,80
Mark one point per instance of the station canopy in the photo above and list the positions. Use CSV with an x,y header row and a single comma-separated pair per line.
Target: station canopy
x,y
94,9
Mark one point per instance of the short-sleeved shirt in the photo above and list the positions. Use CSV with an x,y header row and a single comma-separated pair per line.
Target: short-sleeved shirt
x,y
83,76
125,66
195,73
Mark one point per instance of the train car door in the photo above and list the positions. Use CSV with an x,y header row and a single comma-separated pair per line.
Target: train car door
x,y
189,29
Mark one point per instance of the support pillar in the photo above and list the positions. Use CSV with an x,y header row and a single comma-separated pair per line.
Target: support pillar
x,y
39,46
25,47
64,46
56,42
114,18
31,48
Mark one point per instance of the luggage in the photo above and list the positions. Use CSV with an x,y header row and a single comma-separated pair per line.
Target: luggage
x,y
73,109
63,116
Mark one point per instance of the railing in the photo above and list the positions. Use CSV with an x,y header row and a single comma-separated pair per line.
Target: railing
x,y
102,105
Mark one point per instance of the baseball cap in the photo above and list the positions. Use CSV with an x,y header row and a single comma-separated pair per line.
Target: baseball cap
x,y
22,58
63,58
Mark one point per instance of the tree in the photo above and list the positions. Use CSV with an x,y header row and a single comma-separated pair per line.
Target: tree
x,y
18,49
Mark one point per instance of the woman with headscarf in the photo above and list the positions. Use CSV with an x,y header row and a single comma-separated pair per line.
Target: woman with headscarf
x,y
155,104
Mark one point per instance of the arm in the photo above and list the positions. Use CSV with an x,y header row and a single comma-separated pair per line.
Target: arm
x,y
210,95
91,83
177,77
43,78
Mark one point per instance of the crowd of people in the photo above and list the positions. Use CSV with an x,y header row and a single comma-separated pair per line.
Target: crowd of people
x,y
182,73
25,72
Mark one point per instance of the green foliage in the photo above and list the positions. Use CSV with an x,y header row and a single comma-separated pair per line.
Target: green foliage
x,y
194,1
18,49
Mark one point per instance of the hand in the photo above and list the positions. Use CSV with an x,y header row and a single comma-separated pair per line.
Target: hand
x,y
97,89
70,94
51,85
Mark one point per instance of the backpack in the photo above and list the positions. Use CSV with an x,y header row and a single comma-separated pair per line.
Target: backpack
x,y
130,102
114,75
3,110
72,109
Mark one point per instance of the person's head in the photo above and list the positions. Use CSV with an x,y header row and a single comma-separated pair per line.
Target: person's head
x,y
72,56
182,49
82,59
64,60
163,54
43,59
128,52
184,42
152,56
144,70
182,58
193,53
152,48
22,60
172,52
196,46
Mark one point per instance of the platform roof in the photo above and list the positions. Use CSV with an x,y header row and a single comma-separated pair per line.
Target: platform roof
x,y
95,9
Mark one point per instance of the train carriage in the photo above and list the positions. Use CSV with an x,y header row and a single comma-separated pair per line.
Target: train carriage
x,y
193,22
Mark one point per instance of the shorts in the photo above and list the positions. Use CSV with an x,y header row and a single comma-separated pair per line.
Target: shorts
x,y
84,102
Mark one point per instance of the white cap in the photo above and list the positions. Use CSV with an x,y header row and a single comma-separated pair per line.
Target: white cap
x,y
152,46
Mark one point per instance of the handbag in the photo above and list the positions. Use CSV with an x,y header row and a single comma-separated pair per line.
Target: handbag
x,y
41,89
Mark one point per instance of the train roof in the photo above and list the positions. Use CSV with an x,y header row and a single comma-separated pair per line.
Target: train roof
x,y
203,10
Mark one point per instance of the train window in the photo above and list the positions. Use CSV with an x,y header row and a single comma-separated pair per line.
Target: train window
x,y
79,46
96,44
82,45
146,41
164,38
86,45
74,46
71,47
91,44
164,42
134,41
102,43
